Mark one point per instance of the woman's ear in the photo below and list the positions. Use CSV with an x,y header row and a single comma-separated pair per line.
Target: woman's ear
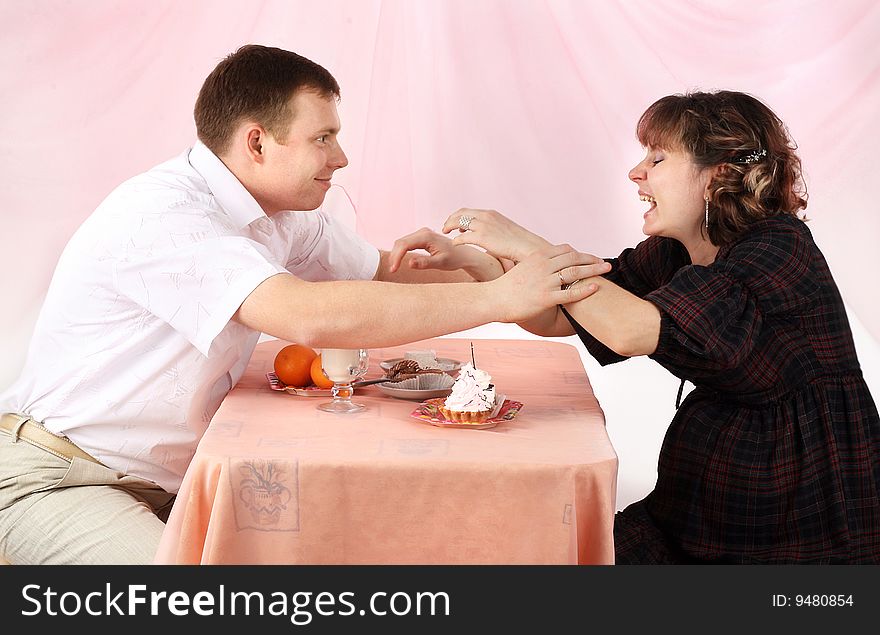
x,y
710,175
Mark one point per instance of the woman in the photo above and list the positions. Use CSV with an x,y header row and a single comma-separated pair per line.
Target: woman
x,y
774,457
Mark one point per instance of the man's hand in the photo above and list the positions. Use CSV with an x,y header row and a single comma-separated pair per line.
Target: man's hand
x,y
494,232
535,284
443,255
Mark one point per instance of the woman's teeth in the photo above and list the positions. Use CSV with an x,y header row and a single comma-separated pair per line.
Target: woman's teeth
x,y
647,199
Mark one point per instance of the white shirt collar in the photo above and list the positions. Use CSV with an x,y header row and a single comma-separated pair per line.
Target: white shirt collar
x,y
226,188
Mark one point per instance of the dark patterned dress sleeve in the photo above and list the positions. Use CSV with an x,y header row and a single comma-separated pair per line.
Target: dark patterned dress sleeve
x,y
712,316
639,270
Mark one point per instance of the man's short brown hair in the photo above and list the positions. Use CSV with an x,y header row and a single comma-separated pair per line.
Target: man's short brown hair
x,y
256,82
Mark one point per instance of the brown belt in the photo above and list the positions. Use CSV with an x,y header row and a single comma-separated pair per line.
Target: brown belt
x,y
26,429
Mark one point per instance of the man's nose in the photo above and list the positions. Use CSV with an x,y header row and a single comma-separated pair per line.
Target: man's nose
x,y
339,159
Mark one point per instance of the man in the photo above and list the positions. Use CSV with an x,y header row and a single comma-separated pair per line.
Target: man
x,y
159,298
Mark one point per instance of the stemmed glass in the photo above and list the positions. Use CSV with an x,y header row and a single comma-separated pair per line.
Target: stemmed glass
x,y
342,366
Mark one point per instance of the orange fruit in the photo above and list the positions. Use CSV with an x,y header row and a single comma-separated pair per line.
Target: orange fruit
x,y
318,377
293,365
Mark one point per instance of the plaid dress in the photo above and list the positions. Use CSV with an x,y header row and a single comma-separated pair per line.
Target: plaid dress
x,y
774,457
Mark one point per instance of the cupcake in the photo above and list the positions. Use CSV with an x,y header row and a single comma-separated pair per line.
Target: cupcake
x,y
472,399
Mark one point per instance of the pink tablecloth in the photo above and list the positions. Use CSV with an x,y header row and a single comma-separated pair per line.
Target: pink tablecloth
x,y
276,481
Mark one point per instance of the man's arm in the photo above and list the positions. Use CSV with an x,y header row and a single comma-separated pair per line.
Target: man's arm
x,y
371,314
368,314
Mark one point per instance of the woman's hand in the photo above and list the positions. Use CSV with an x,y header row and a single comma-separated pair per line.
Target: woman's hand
x,y
494,232
536,283
443,254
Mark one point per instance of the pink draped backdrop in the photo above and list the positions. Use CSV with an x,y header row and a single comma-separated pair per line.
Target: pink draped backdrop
x,y
525,106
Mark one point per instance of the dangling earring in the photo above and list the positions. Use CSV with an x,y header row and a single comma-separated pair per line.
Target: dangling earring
x,y
707,213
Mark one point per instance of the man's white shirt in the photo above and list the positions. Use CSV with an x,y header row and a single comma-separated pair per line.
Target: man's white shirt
x,y
134,347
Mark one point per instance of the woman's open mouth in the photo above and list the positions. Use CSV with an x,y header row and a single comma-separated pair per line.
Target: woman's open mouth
x,y
648,199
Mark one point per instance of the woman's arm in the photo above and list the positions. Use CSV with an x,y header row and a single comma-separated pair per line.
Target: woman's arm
x,y
623,322
620,320
550,323
494,232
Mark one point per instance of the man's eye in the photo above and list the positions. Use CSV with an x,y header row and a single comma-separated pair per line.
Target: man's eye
x,y
322,138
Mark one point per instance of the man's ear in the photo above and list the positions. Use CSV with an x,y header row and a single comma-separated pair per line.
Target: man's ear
x,y
255,136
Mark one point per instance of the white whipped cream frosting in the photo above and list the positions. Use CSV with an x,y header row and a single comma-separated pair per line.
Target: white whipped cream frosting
x,y
472,391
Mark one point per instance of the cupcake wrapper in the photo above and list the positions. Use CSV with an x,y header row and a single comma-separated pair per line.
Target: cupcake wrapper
x,y
424,382
460,416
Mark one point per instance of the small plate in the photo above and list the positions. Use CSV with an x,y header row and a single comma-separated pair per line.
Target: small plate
x,y
306,391
311,391
429,412
420,387
446,364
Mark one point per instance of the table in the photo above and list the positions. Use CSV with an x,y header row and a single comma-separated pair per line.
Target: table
x,y
276,481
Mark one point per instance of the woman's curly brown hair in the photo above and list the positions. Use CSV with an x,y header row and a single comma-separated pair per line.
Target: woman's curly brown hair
x,y
723,129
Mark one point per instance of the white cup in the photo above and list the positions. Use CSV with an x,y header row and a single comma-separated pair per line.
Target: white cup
x,y
342,365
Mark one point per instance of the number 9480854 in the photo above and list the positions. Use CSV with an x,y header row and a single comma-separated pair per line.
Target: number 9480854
x,y
823,600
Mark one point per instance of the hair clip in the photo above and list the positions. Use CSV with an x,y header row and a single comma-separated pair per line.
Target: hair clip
x,y
752,157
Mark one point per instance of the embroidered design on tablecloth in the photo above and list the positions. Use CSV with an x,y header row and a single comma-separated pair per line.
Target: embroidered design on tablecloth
x,y
265,494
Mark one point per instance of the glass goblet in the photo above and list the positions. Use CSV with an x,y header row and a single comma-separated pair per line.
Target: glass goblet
x,y
342,366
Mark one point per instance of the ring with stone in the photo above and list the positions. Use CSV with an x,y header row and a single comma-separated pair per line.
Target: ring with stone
x,y
464,222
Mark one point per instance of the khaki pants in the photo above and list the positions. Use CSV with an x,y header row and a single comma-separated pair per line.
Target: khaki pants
x,y
56,510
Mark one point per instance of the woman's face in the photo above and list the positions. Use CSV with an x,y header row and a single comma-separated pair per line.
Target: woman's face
x,y
674,187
